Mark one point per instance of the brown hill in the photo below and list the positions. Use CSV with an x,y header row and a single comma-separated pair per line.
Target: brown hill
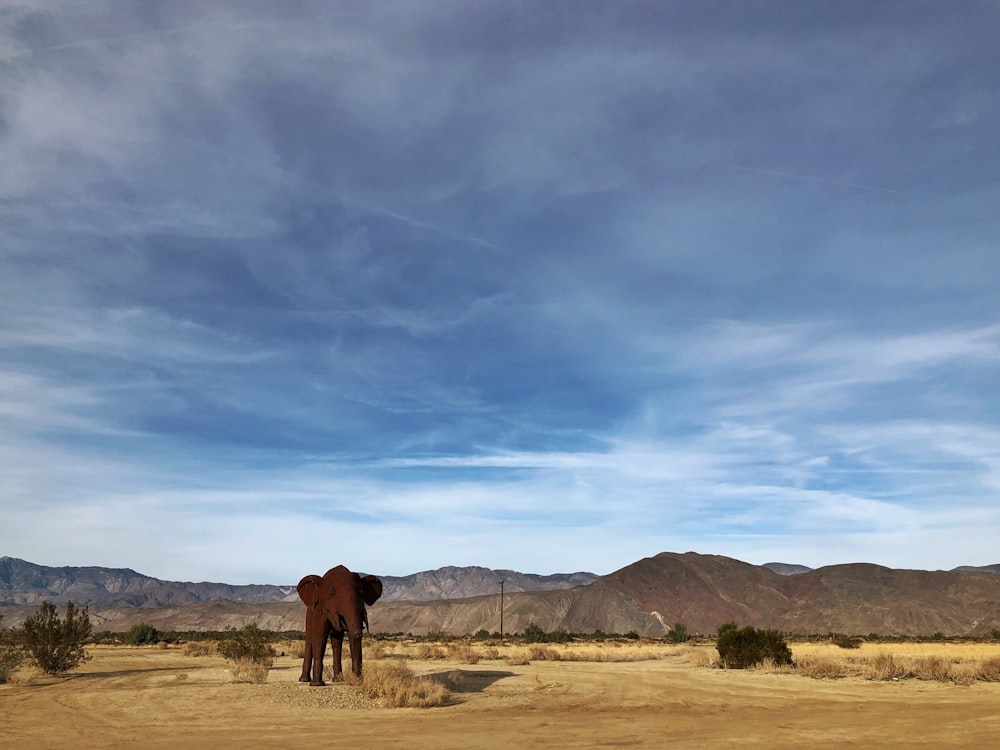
x,y
648,597
22,582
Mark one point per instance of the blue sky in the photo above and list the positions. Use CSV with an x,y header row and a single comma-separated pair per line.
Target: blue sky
x,y
546,286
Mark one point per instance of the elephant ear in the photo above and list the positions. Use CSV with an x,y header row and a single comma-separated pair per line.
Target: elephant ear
x,y
308,589
371,588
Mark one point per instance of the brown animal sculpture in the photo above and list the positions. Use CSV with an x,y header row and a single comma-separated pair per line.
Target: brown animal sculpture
x,y
335,605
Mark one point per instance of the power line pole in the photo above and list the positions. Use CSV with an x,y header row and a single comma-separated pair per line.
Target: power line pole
x,y
501,611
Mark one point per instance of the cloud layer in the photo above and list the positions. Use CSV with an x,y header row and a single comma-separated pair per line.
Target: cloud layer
x,y
547,287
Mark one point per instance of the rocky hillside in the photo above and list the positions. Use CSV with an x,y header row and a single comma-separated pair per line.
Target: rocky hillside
x,y
23,582
648,597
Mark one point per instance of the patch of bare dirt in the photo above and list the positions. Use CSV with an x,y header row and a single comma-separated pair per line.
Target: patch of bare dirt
x,y
155,698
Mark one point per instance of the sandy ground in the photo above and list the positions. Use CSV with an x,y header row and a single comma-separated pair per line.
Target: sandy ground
x,y
152,698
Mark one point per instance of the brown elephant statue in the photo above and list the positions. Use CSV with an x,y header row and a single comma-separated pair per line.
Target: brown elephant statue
x,y
335,605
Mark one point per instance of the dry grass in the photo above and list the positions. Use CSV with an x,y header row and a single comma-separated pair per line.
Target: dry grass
x,y
954,663
464,653
821,667
296,649
394,685
770,666
199,648
248,670
427,651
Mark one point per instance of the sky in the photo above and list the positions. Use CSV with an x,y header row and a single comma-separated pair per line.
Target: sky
x,y
547,286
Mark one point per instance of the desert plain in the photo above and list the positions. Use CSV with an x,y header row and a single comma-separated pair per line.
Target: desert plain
x,y
578,696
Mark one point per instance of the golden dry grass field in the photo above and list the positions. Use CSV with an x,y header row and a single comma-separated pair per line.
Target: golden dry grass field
x,y
565,696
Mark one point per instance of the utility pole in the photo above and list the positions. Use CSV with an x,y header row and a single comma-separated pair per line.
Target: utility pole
x,y
501,611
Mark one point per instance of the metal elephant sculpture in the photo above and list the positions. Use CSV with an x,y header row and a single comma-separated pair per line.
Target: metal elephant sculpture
x,y
335,606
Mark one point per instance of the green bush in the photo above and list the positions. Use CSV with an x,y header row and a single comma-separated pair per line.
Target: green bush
x,y
11,653
56,646
533,633
845,641
248,643
746,647
140,634
678,633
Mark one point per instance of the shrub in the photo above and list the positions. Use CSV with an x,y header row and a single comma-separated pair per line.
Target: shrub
x,y
678,633
541,653
201,648
845,641
140,634
989,670
482,635
393,685
742,648
248,670
533,634
248,642
464,653
250,651
56,646
884,666
427,651
11,653
821,668
931,668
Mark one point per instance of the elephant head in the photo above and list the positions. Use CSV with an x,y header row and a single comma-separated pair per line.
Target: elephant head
x,y
335,606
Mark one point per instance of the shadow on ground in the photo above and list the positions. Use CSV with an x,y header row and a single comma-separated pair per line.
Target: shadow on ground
x,y
468,680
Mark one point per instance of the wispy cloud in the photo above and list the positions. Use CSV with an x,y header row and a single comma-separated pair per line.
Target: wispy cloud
x,y
550,288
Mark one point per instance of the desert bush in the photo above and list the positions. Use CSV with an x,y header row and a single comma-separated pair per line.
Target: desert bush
x,y
678,633
427,651
541,653
700,657
517,659
248,642
373,649
392,684
533,634
741,648
883,666
465,653
490,652
297,649
989,670
11,653
247,670
200,648
821,668
250,652
141,634
56,646
845,641
931,668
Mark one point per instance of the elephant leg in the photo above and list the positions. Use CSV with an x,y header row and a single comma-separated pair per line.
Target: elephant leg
x,y
337,644
307,662
319,650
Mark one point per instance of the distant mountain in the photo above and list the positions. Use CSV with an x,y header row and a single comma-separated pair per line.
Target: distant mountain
x,y
460,583
786,569
647,597
980,569
23,582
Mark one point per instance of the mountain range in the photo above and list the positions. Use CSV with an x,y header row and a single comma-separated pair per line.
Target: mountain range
x,y
647,597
